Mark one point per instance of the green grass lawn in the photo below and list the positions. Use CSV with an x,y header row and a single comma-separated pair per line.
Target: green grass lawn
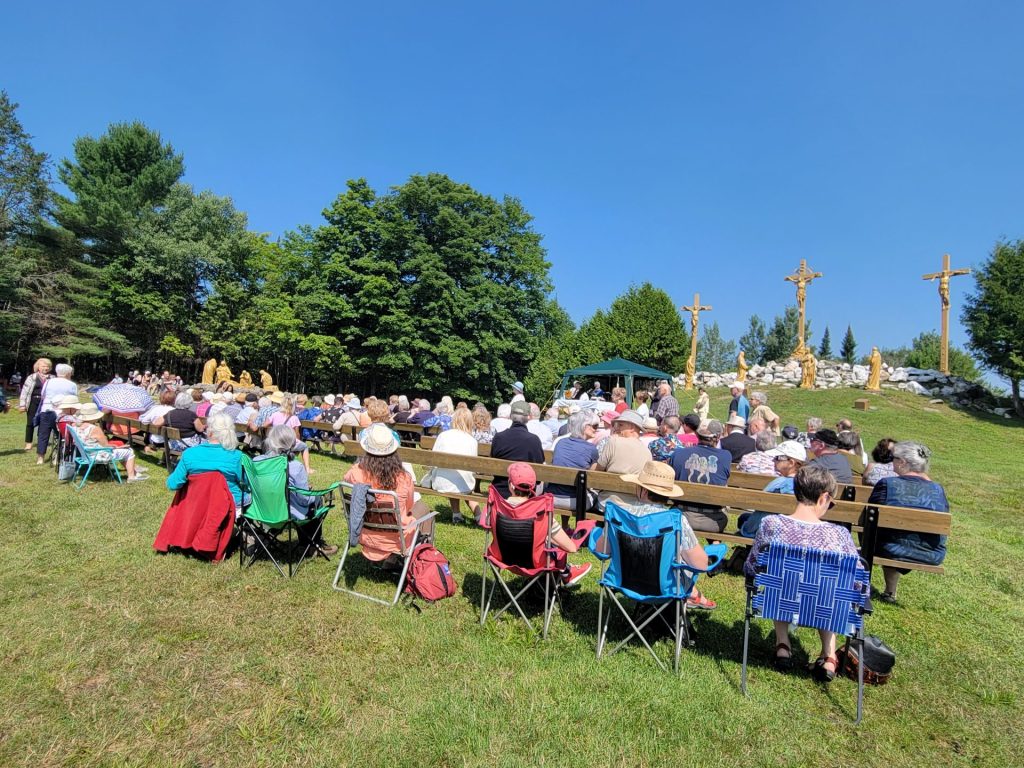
x,y
113,655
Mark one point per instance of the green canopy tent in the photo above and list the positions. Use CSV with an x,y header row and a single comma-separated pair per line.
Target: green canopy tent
x,y
615,373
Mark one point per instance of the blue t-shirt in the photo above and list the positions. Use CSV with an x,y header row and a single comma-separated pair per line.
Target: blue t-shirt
x,y
309,414
571,452
780,485
741,405
702,464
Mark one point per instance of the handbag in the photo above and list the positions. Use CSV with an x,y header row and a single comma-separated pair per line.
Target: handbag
x,y
878,660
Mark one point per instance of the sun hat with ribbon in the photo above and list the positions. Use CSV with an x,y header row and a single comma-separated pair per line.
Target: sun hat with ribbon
x,y
657,477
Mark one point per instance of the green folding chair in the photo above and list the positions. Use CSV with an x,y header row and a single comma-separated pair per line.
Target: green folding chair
x,y
267,519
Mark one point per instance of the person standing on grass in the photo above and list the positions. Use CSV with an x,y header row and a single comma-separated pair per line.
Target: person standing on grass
x,y
666,404
31,391
53,390
739,406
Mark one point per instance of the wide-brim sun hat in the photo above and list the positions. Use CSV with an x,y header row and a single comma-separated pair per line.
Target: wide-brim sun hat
x,y
89,412
277,397
631,417
68,402
517,385
657,477
379,440
737,421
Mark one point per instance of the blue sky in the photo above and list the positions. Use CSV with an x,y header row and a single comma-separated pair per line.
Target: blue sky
x,y
705,147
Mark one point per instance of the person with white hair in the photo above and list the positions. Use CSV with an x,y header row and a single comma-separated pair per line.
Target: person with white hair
x,y
551,420
760,461
280,441
53,390
182,418
665,404
760,410
577,452
220,454
503,420
423,413
404,410
535,427
912,487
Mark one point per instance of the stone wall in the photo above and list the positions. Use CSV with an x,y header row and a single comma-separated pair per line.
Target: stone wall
x,y
831,375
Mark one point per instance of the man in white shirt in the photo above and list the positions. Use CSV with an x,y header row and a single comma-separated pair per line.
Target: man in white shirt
x,y
535,427
503,420
517,392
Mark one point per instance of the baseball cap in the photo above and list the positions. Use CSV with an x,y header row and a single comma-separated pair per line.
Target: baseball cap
x,y
827,436
711,428
790,432
790,448
521,476
521,407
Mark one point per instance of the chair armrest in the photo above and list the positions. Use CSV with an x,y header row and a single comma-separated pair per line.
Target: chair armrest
x,y
315,492
715,552
413,524
595,536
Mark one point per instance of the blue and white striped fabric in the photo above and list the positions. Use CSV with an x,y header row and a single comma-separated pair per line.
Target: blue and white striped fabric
x,y
810,588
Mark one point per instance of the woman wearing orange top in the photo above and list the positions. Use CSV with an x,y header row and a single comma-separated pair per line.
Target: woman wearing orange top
x,y
381,469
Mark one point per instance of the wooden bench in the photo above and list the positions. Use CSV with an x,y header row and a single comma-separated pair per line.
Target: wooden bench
x,y
856,515
483,449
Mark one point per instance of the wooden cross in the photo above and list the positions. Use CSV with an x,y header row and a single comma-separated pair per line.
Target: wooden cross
x,y
943,278
695,310
801,278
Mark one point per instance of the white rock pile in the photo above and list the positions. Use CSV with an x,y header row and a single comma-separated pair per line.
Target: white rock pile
x,y
932,384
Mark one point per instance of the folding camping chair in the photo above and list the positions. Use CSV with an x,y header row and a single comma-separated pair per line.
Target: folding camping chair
x,y
517,540
89,456
267,516
809,588
384,519
642,564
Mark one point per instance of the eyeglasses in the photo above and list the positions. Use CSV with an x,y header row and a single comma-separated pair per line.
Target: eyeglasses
x,y
780,458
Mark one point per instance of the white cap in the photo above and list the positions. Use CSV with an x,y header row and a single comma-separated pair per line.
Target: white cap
x,y
790,448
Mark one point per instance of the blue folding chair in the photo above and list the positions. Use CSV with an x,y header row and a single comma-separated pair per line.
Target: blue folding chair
x,y
642,564
810,588
89,456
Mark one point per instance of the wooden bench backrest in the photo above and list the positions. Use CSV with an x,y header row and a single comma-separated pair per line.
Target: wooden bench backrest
x,y
483,449
757,482
849,512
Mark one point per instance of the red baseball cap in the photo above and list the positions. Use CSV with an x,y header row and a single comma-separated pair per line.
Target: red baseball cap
x,y
521,477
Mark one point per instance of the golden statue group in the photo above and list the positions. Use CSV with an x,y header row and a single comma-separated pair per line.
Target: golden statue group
x,y
803,353
219,374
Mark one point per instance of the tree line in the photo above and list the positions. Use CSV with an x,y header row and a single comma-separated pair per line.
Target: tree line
x,y
430,286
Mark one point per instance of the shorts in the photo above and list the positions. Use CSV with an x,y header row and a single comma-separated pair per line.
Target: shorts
x,y
711,519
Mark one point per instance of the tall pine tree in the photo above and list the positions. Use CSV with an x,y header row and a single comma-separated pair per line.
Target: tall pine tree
x,y
849,348
825,350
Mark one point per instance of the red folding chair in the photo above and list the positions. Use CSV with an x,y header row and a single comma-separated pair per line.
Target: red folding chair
x,y
517,541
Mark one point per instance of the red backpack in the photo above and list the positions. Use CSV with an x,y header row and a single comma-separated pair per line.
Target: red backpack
x,y
430,575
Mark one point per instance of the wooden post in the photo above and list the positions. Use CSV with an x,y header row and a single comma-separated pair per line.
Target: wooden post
x,y
691,364
943,278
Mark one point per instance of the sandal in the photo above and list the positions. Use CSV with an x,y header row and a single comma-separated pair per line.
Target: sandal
x,y
783,663
700,602
821,672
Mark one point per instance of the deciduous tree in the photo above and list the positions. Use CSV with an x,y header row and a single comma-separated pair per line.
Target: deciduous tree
x,y
994,315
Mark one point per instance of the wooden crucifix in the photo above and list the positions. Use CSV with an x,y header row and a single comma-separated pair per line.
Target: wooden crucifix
x,y
691,363
943,278
801,278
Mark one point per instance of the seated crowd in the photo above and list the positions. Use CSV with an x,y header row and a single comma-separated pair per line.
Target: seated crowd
x,y
608,436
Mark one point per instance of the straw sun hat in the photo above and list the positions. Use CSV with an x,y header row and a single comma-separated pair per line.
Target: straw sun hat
x,y
658,478
379,440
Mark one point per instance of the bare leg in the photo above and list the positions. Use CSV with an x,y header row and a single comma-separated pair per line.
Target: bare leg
x,y
828,644
782,638
456,515
305,461
420,509
892,578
